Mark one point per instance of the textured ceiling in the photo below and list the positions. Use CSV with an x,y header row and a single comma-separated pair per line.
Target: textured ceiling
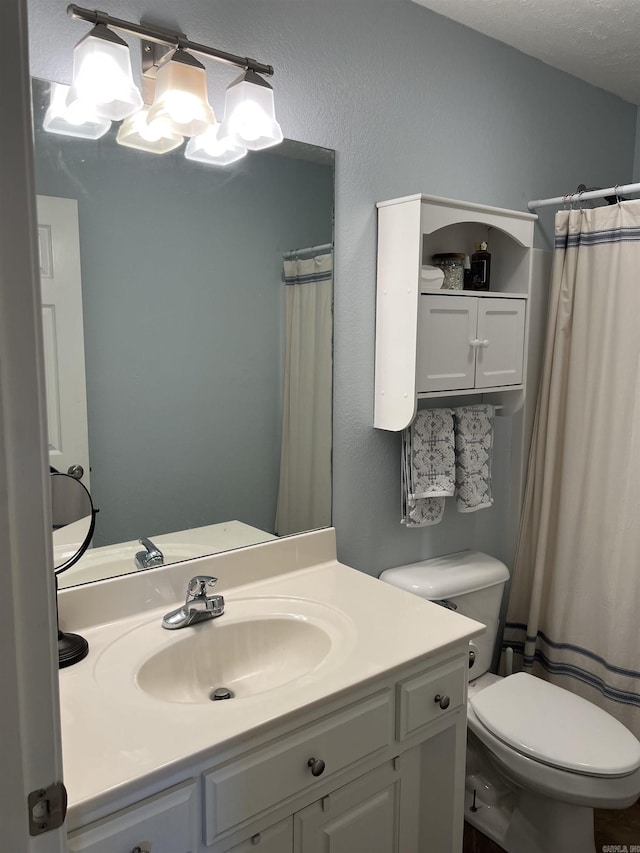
x,y
595,40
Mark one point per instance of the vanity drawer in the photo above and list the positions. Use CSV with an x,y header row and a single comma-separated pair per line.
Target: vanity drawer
x,y
417,703
166,823
244,788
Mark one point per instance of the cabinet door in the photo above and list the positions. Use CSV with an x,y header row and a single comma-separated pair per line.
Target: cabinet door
x,y
276,839
362,817
501,337
446,330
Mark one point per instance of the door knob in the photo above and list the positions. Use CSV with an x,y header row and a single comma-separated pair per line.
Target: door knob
x,y
76,471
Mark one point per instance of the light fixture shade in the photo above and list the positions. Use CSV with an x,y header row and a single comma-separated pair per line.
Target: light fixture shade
x,y
102,78
72,121
135,132
208,148
249,115
181,95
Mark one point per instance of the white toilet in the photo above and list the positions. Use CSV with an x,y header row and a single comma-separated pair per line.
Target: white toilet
x,y
539,758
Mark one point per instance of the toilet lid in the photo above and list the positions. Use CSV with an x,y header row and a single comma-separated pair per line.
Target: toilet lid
x,y
556,727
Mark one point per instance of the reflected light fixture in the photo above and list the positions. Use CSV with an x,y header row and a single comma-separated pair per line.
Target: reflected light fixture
x,y
249,115
181,95
102,77
136,132
72,121
208,148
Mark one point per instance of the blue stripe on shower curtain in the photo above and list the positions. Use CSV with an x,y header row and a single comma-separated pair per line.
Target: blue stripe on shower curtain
x,y
607,235
516,638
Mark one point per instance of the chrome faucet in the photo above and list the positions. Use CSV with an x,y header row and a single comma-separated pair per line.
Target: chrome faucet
x,y
150,557
201,604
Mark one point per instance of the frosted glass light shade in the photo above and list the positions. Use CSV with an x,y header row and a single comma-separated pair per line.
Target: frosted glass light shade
x,y
102,78
72,121
136,132
181,96
208,148
249,115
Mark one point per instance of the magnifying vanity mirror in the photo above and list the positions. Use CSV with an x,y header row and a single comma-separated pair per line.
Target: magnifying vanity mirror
x,y
177,318
73,519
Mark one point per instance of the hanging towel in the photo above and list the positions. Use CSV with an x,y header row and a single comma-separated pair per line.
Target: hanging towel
x,y
427,467
474,449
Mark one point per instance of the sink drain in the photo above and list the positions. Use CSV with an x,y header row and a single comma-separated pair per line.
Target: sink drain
x,y
221,693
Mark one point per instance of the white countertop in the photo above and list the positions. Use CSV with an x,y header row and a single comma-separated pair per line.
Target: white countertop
x,y
114,734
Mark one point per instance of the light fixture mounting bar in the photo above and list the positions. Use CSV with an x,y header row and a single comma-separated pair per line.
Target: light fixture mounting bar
x,y
159,35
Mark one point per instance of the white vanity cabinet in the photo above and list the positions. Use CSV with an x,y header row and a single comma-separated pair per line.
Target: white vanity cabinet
x,y
441,343
390,779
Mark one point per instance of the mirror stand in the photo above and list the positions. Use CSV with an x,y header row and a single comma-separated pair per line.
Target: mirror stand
x,y
74,518
72,648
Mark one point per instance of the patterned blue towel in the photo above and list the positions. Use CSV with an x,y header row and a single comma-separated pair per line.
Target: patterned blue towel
x,y
474,449
428,467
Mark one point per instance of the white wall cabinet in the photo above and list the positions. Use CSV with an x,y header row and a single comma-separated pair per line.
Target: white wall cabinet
x,y
393,777
468,342
443,343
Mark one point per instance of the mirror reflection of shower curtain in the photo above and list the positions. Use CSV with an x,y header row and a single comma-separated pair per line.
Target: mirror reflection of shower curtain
x,y
304,494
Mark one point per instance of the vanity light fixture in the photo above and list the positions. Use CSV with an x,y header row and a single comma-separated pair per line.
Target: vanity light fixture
x,y
180,108
72,121
209,148
180,102
102,77
136,132
249,116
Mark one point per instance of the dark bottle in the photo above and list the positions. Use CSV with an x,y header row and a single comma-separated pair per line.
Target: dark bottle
x,y
480,268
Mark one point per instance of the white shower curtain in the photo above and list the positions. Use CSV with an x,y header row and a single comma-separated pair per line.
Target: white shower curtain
x,y
304,494
574,607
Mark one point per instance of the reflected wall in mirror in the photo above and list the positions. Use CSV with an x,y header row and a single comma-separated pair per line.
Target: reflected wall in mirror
x,y
185,339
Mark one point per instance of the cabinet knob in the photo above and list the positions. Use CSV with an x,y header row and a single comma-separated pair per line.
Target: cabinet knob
x,y
484,343
443,701
316,765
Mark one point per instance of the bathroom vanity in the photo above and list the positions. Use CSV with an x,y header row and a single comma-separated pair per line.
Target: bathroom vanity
x,y
346,731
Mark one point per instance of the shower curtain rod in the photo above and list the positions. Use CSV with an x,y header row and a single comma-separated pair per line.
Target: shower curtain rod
x,y
584,196
295,253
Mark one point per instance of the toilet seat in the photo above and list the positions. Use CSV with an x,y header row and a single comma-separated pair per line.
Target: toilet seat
x,y
550,725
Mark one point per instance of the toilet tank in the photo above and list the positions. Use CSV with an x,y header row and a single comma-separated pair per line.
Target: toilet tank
x,y
468,582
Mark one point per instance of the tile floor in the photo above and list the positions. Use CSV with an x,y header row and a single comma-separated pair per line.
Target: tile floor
x,y
618,829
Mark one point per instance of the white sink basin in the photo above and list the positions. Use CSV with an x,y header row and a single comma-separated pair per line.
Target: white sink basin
x,y
259,644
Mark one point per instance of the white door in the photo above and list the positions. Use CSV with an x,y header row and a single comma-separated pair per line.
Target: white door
x,y
501,336
446,355
30,742
61,283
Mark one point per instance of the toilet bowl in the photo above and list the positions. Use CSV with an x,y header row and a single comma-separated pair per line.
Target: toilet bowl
x,y
539,758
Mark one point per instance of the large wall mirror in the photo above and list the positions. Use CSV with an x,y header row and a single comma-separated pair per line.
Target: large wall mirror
x,y
190,340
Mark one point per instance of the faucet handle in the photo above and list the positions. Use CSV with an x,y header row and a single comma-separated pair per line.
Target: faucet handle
x,y
200,586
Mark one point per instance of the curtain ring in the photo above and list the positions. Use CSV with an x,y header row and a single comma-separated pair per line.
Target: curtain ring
x,y
617,194
580,200
566,204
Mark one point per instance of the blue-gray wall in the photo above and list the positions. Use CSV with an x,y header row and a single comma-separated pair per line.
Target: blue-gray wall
x,y
411,102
